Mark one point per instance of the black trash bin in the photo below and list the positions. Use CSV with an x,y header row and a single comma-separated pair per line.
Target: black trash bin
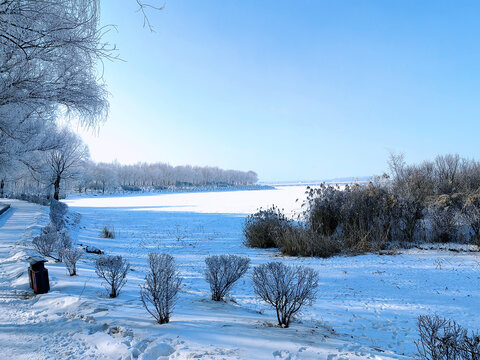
x,y
38,275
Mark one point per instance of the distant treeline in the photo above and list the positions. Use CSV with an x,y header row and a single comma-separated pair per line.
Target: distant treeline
x,y
110,177
158,176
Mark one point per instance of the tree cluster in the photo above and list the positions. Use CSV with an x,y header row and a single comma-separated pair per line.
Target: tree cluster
x,y
105,177
435,201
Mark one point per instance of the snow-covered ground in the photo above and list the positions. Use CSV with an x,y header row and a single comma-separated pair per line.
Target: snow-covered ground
x,y
366,307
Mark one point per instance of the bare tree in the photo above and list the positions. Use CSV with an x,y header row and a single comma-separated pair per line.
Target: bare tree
x,y
223,271
285,287
396,164
70,257
114,270
65,162
162,282
446,170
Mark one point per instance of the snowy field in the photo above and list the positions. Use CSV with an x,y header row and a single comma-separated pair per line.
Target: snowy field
x,y
366,307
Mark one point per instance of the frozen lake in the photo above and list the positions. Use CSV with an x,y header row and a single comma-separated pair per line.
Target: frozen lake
x,y
369,303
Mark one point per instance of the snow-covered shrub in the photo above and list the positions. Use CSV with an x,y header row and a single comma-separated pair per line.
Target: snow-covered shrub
x,y
51,242
47,242
58,210
64,242
301,240
261,229
162,282
443,339
114,270
107,233
223,271
287,288
70,257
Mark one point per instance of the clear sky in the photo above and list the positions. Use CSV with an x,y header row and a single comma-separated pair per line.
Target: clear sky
x,y
294,90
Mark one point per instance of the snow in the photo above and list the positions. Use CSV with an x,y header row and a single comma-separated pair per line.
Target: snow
x,y
366,308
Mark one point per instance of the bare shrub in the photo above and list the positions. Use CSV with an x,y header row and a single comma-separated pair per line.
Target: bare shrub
x,y
162,282
113,269
107,233
70,257
58,210
439,338
299,240
471,347
285,287
443,339
262,228
223,271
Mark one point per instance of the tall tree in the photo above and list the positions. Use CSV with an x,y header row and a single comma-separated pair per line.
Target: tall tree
x,y
66,161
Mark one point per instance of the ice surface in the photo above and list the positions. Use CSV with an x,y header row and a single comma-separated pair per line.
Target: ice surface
x,y
366,308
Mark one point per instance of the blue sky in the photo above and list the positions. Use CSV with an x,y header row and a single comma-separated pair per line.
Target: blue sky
x,y
295,90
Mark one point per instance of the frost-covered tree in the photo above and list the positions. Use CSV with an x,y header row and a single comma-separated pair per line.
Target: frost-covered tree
x,y
49,52
66,161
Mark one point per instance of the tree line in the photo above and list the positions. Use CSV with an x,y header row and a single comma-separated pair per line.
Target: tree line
x,y
66,168
158,176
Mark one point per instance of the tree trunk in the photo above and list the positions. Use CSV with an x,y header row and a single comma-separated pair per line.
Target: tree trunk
x,y
113,294
56,185
2,187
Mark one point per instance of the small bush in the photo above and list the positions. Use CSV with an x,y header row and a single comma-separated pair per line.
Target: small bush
x,y
107,233
262,228
223,271
51,242
47,242
301,241
58,210
285,287
70,258
162,282
113,269
442,339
